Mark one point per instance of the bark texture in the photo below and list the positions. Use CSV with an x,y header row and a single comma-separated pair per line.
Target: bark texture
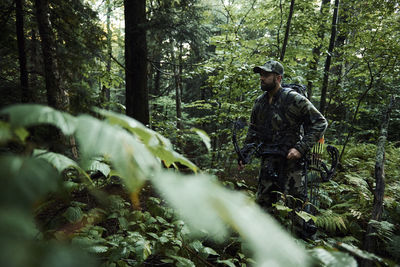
x,y
19,22
287,31
137,99
105,92
316,52
324,87
56,97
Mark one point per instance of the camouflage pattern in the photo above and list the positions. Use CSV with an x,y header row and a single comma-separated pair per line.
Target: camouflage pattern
x,y
270,66
279,123
279,126
278,174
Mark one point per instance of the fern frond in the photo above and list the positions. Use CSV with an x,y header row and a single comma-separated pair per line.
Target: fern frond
x,y
384,230
331,221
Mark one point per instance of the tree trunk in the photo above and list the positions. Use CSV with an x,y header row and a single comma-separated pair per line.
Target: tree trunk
x,y
285,41
324,88
316,52
55,96
35,64
369,239
137,97
19,22
178,86
105,92
339,69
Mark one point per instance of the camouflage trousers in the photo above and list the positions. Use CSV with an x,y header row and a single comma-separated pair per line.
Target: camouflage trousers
x,y
282,175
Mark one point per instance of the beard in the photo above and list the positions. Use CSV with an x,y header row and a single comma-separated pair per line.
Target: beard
x,y
268,87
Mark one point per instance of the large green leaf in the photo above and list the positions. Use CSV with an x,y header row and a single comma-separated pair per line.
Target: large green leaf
x,y
97,165
207,205
358,252
159,146
25,180
26,115
128,155
204,137
59,161
306,216
333,258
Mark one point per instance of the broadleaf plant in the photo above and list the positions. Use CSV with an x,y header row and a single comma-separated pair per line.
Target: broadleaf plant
x,y
134,152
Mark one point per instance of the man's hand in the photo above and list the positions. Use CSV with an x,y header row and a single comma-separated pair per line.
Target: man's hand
x,y
240,165
293,154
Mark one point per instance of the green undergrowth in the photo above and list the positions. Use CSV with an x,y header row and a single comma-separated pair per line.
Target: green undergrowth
x,y
123,202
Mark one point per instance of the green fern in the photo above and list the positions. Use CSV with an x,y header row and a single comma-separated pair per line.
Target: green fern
x,y
383,230
331,221
393,247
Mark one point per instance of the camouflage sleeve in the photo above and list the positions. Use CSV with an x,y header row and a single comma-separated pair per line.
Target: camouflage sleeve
x,y
314,124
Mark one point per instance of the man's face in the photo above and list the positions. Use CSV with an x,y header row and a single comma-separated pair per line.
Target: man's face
x,y
268,81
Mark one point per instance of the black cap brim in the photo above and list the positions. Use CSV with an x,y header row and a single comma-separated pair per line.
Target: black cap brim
x,y
256,69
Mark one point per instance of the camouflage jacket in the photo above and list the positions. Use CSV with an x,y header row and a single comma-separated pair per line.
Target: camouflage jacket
x,y
282,122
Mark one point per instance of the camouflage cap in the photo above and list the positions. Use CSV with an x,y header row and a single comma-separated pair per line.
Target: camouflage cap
x,y
270,66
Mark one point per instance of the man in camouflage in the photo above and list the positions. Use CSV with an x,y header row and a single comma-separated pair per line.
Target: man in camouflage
x,y
278,119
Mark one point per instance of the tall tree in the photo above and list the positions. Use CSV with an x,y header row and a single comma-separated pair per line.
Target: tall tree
x,y
324,87
19,21
177,68
105,92
369,241
55,95
137,100
287,31
316,52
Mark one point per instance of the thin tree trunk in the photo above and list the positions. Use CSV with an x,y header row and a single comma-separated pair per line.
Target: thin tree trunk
x,y
105,92
19,22
178,100
137,96
35,64
285,41
157,77
55,96
324,88
316,52
370,240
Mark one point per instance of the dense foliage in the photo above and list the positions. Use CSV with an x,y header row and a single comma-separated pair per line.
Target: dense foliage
x,y
89,186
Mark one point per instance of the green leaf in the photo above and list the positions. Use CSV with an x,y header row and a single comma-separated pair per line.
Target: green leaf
x,y
182,262
25,180
130,157
209,206
60,162
25,115
210,251
282,207
196,245
142,249
73,214
98,249
358,252
96,165
306,216
159,146
204,137
229,263
334,258
5,132
21,133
